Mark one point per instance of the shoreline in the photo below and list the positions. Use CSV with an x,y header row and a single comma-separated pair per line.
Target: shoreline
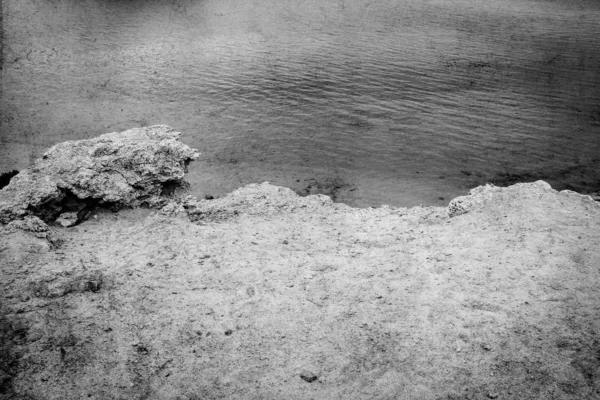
x,y
266,294
336,188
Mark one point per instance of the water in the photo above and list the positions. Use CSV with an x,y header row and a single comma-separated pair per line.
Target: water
x,y
398,102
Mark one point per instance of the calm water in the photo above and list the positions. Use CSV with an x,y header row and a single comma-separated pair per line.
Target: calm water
x,y
396,102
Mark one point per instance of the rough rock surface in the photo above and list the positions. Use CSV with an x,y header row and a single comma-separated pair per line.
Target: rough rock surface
x,y
130,168
476,198
268,295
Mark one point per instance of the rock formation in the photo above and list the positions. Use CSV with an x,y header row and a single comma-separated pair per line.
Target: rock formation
x,y
137,167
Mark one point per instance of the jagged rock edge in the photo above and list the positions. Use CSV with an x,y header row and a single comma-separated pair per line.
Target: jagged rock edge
x,y
54,194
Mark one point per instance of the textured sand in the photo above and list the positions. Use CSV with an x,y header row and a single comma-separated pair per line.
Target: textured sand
x,y
268,295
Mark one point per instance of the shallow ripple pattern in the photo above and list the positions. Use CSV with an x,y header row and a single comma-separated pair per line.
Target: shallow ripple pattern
x,y
388,102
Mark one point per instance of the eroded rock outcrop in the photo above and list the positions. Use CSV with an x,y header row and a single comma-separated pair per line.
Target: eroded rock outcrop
x,y
137,167
480,196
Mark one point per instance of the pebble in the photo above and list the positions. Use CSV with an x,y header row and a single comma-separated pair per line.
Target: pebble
x,y
493,395
308,377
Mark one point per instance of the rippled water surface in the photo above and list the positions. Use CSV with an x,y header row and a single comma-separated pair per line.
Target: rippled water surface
x,y
398,102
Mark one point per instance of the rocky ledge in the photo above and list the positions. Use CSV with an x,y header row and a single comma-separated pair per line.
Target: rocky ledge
x,y
121,169
263,294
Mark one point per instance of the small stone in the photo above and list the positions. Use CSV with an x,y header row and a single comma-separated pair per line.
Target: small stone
x,y
68,219
493,395
309,377
487,347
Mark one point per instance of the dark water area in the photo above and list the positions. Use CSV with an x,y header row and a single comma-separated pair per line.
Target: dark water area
x,y
6,177
399,102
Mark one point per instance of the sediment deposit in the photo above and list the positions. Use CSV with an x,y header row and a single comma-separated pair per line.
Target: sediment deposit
x,y
264,294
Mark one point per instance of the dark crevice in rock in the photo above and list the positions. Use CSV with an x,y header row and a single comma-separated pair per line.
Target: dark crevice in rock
x,y
170,187
47,211
66,202
6,177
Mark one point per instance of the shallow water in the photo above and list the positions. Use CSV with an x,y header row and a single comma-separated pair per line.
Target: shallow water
x,y
397,102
